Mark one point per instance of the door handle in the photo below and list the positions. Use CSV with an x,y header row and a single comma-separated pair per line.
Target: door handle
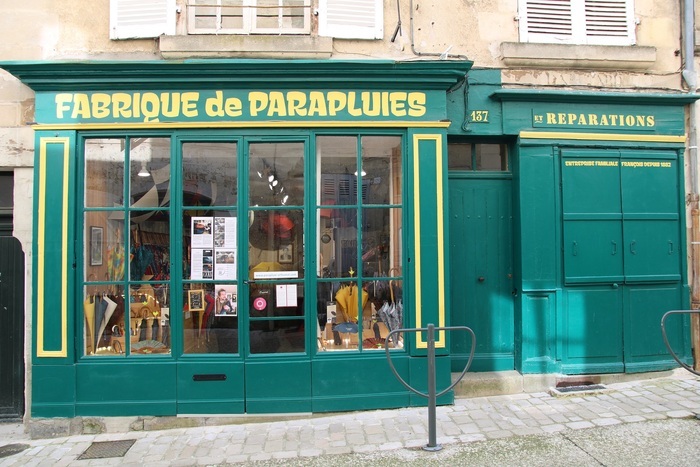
x,y
670,248
633,243
614,249
574,248
482,278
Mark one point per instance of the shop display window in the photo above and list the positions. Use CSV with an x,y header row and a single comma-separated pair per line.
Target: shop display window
x,y
359,216
126,257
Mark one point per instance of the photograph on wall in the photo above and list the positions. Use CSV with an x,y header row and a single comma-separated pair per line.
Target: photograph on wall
x,y
225,232
226,303
225,264
202,232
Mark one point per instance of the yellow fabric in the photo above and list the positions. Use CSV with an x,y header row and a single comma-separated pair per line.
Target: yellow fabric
x,y
346,299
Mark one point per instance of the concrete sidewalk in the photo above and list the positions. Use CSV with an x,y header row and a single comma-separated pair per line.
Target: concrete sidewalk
x,y
622,422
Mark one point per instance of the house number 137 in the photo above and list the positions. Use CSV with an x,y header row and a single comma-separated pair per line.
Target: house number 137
x,y
479,116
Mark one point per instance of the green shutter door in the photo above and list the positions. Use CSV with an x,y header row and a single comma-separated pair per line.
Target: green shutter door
x,y
592,213
651,216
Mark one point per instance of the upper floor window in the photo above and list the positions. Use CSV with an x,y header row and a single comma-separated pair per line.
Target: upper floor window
x,y
590,22
248,16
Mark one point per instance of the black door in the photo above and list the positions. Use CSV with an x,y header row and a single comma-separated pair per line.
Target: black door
x,y
11,329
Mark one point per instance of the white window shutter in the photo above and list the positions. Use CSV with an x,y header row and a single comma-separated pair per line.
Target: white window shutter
x,y
130,19
610,22
545,21
594,22
351,19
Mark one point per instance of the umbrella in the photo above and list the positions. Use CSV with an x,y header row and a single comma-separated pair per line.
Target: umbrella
x,y
89,308
100,309
109,309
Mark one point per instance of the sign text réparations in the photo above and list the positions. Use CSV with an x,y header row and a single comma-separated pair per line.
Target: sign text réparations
x,y
593,120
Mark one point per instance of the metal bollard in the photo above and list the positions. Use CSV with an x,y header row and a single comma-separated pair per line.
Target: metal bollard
x,y
432,395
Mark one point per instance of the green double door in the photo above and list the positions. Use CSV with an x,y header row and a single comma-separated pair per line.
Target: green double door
x,y
621,259
481,277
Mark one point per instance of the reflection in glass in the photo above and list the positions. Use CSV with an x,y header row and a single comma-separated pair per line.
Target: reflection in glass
x,y
491,157
381,170
209,174
103,251
150,172
104,172
276,174
338,165
149,242
210,323
278,336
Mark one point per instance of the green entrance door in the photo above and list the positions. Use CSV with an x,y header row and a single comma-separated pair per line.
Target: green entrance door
x,y
277,335
481,270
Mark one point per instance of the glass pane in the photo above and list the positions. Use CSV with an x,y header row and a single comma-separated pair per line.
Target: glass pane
x,y
210,323
149,250
283,336
381,234
381,169
459,156
150,172
338,239
104,172
491,157
149,322
276,243
103,251
276,299
343,313
337,157
386,298
276,174
209,174
210,245
105,321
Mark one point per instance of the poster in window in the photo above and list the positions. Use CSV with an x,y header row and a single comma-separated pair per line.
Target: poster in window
x,y
225,264
202,263
285,254
202,232
225,232
226,303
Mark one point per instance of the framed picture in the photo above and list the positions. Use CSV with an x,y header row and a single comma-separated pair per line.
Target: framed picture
x,y
96,234
195,300
285,254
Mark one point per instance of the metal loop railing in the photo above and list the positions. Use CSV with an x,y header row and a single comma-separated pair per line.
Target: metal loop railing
x,y
668,344
432,394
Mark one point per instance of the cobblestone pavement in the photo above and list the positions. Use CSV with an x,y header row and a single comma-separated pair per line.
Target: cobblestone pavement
x,y
467,421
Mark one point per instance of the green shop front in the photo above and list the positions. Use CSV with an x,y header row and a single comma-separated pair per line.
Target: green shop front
x,y
242,236
227,237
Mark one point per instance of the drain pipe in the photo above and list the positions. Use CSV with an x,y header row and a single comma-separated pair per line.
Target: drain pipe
x,y
690,77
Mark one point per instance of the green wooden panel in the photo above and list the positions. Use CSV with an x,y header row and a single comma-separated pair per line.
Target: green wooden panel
x,y
481,272
591,330
649,182
210,387
593,251
537,333
644,346
652,251
418,368
538,223
359,384
121,388
278,386
590,183
53,391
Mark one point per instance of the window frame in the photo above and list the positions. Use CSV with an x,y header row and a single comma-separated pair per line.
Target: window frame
x,y
249,17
